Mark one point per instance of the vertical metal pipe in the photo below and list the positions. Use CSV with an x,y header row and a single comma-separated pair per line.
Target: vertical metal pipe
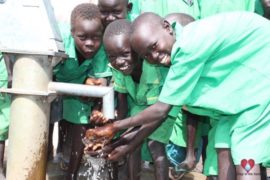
x,y
108,104
29,119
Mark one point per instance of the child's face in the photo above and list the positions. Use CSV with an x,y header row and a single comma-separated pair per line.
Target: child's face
x,y
120,54
87,35
112,10
154,43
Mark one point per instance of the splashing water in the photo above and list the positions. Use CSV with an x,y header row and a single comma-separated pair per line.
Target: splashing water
x,y
96,168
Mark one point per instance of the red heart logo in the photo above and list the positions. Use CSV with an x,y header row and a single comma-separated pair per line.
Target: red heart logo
x,y
247,164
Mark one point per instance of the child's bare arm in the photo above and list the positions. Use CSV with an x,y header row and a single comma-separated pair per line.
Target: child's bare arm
x,y
122,106
154,113
132,140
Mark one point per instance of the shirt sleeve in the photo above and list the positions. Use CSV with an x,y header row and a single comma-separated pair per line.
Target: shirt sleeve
x,y
119,82
189,54
100,64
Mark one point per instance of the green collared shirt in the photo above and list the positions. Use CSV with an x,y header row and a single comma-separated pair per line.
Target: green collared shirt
x,y
221,69
144,93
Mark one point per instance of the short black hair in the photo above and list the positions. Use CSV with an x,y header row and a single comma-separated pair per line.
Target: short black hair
x,y
86,11
125,1
118,27
151,18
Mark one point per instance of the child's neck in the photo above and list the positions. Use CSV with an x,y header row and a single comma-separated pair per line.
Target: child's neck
x,y
80,58
137,72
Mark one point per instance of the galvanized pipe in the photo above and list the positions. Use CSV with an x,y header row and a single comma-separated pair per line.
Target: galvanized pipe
x,y
106,93
29,119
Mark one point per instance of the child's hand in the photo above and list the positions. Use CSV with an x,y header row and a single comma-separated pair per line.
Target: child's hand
x,y
107,131
120,147
96,81
96,139
98,118
119,152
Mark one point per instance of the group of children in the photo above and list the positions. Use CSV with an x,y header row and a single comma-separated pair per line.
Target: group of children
x,y
208,74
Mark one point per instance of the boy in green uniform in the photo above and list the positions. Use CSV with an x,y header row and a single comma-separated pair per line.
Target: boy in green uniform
x,y
184,137
82,42
209,8
163,8
138,85
219,78
4,113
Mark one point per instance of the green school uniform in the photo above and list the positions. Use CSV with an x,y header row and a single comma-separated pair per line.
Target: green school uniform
x,y
141,95
4,101
212,7
146,93
225,77
75,110
164,7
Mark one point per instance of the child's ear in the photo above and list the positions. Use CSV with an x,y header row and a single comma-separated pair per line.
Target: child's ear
x,y
129,6
166,25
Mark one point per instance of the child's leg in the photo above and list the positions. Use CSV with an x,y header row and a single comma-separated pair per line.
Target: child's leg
x,y
62,134
159,157
78,132
263,172
50,142
134,164
226,168
2,150
204,145
192,121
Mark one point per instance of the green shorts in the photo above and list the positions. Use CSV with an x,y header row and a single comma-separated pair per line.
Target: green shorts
x,y
250,137
218,137
179,133
210,167
161,134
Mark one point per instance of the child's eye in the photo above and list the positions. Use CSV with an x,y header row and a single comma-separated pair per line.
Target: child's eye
x,y
82,38
104,13
126,54
96,38
111,57
117,12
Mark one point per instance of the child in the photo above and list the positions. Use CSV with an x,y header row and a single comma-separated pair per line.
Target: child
x,y
219,78
4,113
209,8
181,150
82,42
138,85
113,10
